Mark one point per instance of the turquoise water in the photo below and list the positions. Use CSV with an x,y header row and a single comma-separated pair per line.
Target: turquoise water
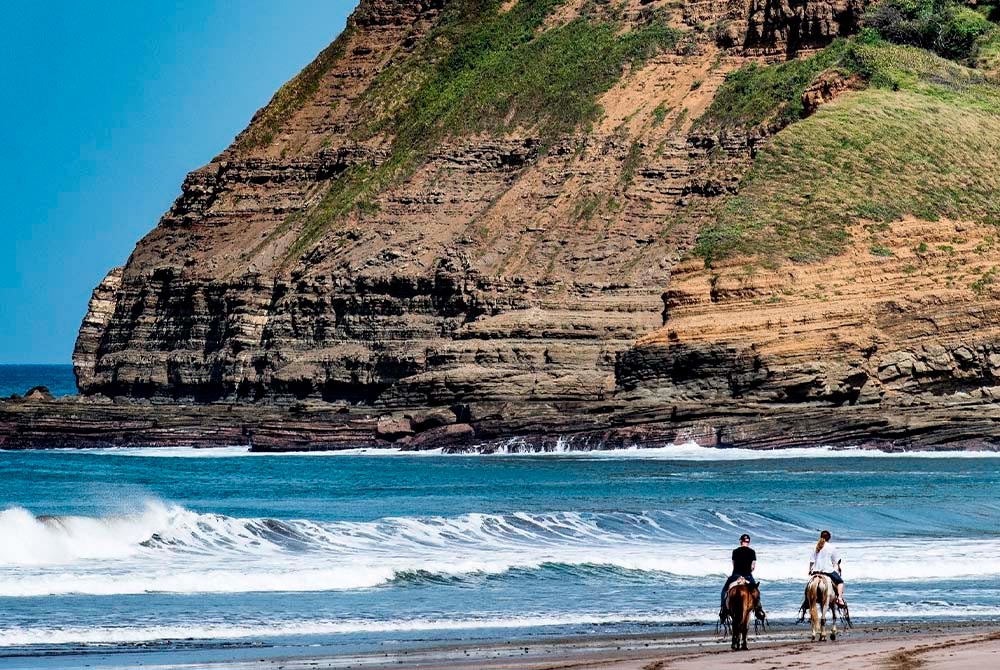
x,y
115,558
20,378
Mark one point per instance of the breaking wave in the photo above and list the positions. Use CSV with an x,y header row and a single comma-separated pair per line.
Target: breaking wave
x,y
168,548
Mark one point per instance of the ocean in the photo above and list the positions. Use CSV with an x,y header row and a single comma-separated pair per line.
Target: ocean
x,y
114,558
20,378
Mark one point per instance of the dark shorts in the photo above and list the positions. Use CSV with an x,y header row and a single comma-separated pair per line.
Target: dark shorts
x,y
835,577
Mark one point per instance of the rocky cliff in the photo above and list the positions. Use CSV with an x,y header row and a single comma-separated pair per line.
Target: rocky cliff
x,y
506,260
501,208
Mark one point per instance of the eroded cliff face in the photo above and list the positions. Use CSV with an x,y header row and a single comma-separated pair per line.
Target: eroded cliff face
x,y
903,325
536,282
496,268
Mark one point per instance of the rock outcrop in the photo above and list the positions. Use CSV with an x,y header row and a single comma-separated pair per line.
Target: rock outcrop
x,y
512,289
39,393
494,271
860,328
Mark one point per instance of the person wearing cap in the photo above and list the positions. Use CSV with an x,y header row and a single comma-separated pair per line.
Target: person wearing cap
x,y
744,563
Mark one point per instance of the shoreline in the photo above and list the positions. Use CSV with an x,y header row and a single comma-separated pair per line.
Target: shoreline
x,y
954,645
899,646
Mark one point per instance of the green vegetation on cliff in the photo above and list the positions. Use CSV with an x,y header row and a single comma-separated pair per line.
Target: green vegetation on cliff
x,y
487,70
921,140
760,95
290,97
482,69
950,29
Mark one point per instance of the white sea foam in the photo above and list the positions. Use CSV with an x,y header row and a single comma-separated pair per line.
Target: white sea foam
x,y
29,540
82,635
114,635
563,449
167,548
694,452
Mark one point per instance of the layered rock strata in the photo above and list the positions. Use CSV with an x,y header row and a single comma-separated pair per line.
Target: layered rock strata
x,y
903,331
520,291
495,271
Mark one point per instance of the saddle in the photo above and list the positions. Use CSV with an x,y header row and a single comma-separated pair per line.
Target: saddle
x,y
760,616
739,582
819,576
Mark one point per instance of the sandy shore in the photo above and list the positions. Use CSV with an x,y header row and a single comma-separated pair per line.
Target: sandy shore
x,y
973,646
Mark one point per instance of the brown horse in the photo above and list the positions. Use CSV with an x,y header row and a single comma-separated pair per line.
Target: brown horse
x,y
742,601
821,597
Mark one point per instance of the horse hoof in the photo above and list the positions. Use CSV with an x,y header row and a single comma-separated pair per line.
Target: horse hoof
x,y
833,637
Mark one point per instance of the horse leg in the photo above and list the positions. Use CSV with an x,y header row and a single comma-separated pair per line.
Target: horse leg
x,y
745,627
735,642
833,613
814,619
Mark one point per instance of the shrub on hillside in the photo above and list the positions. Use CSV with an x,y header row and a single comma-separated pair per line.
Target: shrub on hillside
x,y
949,29
903,21
958,31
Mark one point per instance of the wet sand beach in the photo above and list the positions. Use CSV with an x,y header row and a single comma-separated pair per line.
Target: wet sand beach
x,y
927,646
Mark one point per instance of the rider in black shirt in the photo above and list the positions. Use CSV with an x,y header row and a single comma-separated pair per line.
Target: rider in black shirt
x,y
744,562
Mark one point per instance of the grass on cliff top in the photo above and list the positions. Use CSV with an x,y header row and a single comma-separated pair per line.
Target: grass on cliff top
x,y
768,95
484,70
987,58
922,140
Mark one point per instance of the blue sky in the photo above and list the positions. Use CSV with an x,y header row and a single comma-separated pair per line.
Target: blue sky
x,y
106,107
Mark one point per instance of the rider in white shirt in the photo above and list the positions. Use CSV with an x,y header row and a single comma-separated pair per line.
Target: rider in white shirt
x,y
825,560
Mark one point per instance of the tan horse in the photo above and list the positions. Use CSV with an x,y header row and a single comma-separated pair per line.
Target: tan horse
x,y
742,601
821,597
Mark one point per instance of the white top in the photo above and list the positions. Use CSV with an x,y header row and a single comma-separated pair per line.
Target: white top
x,y
826,559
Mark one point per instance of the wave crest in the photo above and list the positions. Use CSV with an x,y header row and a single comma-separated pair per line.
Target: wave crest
x,y
168,548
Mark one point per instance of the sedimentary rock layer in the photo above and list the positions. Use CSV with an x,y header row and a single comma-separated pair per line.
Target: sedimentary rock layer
x,y
321,287
495,269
